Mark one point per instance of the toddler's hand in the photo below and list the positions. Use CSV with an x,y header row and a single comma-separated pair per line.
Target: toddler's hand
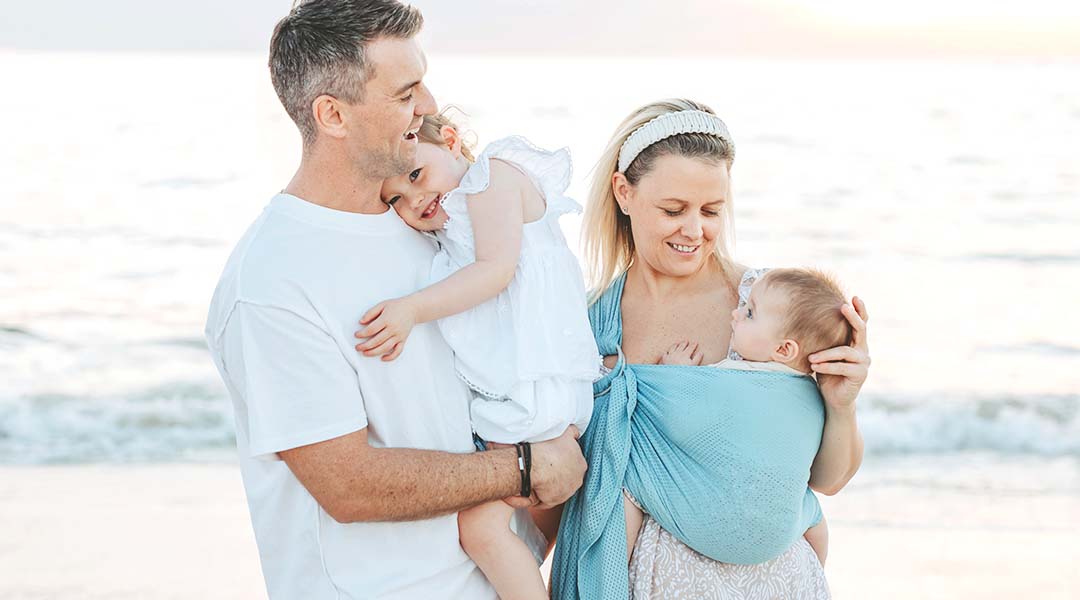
x,y
388,325
683,353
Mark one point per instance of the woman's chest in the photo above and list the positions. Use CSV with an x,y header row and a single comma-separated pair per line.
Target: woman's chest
x,y
648,331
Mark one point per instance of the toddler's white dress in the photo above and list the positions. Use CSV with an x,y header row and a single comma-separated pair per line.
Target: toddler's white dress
x,y
528,354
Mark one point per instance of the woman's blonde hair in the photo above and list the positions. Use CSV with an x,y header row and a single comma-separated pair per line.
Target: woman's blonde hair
x,y
609,242
429,131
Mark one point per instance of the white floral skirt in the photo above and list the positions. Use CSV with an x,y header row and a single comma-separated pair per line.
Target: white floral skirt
x,y
663,568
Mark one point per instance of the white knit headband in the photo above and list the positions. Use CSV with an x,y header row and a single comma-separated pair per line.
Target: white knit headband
x,y
667,125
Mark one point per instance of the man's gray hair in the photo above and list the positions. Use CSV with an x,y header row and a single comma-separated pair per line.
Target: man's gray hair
x,y
319,47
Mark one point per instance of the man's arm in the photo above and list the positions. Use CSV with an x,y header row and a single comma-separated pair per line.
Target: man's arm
x,y
303,404
354,481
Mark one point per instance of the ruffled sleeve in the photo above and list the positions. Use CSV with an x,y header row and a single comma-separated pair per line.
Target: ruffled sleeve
x,y
551,172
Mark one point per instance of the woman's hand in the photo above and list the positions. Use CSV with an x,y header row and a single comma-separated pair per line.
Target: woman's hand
x,y
841,371
388,325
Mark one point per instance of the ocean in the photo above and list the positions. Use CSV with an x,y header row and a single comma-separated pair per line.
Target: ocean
x,y
946,194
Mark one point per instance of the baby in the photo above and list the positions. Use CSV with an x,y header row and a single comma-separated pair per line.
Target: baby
x,y
789,315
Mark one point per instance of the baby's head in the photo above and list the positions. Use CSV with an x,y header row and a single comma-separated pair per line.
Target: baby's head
x,y
791,314
441,161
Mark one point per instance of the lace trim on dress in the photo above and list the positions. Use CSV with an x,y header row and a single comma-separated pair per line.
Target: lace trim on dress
x,y
479,390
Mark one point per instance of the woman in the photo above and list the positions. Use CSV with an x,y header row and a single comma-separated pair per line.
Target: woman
x,y
657,224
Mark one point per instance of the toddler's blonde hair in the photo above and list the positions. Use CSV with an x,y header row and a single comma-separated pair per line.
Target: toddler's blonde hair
x,y
429,132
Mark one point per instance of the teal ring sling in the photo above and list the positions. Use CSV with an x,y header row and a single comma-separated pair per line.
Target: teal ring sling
x,y
719,458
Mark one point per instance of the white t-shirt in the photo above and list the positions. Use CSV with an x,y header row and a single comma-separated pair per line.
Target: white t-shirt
x,y
280,330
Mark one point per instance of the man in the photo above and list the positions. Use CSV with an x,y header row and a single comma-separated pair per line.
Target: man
x,y
353,467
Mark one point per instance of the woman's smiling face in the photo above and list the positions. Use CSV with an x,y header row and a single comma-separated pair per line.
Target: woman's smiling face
x,y
676,212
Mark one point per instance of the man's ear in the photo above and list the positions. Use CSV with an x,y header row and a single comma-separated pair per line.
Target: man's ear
x,y
787,351
329,119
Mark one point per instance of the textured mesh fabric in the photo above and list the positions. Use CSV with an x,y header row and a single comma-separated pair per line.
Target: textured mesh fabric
x,y
719,458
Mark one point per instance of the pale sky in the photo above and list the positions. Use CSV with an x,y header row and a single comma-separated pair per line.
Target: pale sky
x,y
1036,29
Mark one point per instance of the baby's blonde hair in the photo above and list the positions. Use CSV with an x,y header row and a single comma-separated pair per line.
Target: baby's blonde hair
x,y
429,132
813,316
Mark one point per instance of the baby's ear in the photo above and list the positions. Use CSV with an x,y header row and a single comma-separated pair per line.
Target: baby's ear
x,y
787,351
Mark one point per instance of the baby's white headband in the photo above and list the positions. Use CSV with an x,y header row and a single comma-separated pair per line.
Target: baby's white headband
x,y
667,125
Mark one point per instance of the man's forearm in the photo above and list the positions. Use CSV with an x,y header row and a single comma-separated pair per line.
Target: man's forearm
x,y
353,481
418,484
840,453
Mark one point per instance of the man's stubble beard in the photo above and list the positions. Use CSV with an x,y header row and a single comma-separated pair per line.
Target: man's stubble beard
x,y
385,163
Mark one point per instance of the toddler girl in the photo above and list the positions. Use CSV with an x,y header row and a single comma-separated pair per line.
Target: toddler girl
x,y
509,298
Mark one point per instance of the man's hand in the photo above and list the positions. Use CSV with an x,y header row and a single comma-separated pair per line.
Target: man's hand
x,y
558,468
388,325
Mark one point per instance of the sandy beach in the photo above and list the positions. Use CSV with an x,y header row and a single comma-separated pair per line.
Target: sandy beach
x,y
182,531
139,532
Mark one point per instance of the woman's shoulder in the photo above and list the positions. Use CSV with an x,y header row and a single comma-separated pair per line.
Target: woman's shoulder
x,y
612,291
605,305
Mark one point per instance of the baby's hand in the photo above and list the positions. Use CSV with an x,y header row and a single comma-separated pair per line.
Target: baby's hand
x,y
683,353
388,326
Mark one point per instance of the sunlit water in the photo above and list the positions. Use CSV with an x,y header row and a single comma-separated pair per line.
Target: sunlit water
x,y
946,195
